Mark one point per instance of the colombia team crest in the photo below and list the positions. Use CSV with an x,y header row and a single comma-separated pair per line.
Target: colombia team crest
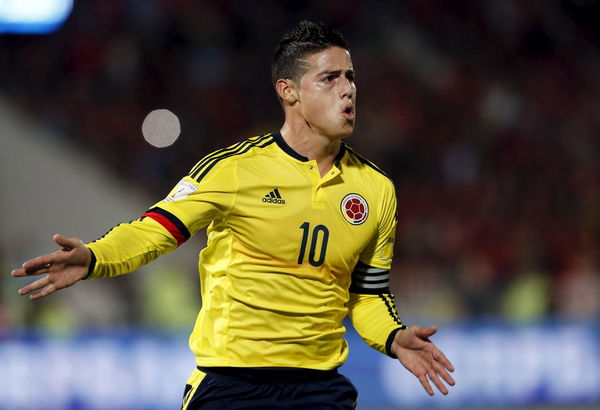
x,y
354,209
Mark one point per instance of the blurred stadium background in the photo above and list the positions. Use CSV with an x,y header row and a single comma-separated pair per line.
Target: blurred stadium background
x,y
486,114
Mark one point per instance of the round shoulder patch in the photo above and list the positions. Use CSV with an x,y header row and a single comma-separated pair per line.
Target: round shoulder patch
x,y
354,209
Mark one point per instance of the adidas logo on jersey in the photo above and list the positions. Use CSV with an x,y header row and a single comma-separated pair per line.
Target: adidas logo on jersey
x,y
274,197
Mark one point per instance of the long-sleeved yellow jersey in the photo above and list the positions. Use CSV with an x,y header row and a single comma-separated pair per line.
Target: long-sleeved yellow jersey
x,y
289,254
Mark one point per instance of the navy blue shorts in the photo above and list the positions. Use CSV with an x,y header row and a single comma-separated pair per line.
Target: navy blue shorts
x,y
225,388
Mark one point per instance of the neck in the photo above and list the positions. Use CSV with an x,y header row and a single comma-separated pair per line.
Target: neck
x,y
312,145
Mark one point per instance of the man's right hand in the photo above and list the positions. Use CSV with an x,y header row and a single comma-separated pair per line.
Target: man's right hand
x,y
64,268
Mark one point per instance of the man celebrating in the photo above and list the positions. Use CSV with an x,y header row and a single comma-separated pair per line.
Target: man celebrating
x,y
300,235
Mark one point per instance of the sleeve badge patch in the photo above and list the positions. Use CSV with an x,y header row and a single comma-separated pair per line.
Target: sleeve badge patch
x,y
182,190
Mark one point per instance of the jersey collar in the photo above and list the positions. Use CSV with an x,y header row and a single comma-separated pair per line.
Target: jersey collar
x,y
278,138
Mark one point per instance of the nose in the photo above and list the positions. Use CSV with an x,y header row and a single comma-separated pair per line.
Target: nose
x,y
348,88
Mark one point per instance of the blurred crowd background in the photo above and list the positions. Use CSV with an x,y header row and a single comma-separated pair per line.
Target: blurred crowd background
x,y
485,114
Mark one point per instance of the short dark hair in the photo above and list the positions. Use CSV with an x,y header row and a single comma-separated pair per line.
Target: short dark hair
x,y
304,39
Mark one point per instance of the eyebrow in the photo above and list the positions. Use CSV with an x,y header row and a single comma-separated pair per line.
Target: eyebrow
x,y
336,72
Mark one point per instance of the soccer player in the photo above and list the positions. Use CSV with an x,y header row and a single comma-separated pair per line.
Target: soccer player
x,y
300,235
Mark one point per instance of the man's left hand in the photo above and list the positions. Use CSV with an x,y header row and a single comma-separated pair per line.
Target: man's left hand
x,y
422,358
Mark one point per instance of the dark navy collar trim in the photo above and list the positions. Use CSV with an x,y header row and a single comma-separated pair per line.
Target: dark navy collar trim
x,y
340,155
278,138
286,148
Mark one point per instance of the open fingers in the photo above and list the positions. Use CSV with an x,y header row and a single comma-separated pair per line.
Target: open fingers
x,y
41,263
425,332
17,273
440,370
430,372
442,359
66,243
425,383
38,284
31,271
433,376
44,292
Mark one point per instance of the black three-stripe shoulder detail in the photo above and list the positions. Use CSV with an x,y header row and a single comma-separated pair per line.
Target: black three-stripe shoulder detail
x,y
201,170
233,148
366,161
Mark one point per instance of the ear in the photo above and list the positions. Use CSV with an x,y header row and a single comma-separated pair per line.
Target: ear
x,y
287,91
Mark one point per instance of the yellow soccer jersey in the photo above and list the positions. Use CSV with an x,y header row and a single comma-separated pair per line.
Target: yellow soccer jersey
x,y
289,254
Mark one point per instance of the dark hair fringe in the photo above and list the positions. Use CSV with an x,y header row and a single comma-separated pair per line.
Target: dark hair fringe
x,y
306,38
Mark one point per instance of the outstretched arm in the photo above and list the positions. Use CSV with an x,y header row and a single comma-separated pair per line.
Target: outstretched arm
x,y
128,246
422,358
64,268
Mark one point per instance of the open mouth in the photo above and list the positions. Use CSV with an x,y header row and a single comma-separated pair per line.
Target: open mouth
x,y
348,112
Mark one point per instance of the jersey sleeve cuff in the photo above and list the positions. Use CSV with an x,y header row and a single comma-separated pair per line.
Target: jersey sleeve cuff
x,y
390,340
92,264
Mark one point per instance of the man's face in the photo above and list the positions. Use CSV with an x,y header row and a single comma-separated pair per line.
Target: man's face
x,y
327,93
